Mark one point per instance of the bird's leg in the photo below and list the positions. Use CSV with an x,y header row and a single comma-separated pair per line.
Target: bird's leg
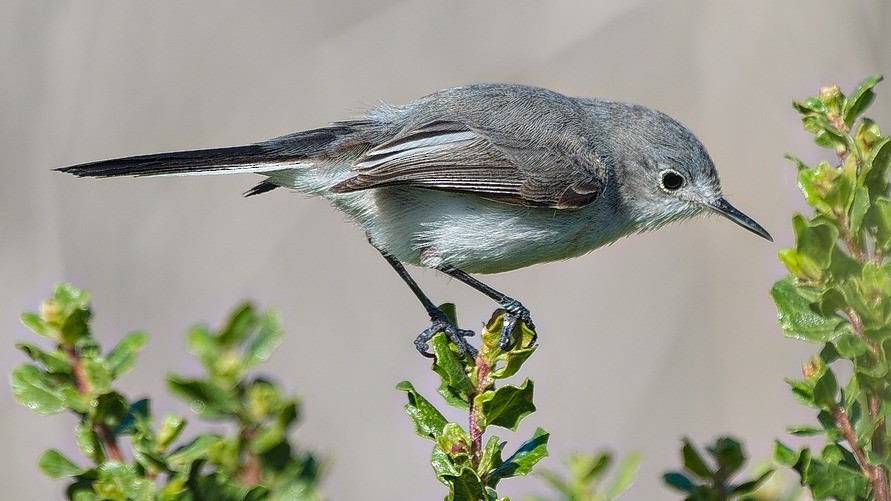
x,y
514,310
439,320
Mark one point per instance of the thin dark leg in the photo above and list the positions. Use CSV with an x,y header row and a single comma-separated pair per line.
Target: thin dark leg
x,y
438,319
514,310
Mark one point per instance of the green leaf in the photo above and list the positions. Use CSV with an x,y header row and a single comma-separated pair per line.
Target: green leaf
x,y
121,481
455,386
56,465
752,485
442,464
859,207
785,455
35,390
197,449
627,470
491,457
506,406
465,487
76,326
88,442
815,240
122,357
879,161
138,417
205,398
170,429
679,481
850,346
729,454
238,324
524,459
826,390
266,337
883,223
797,316
36,324
860,99
52,361
429,422
694,462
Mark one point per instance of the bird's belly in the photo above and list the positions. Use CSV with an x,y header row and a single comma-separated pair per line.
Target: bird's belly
x,y
434,228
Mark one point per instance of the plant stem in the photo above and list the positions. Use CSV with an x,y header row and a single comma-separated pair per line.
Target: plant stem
x,y
847,431
474,428
82,383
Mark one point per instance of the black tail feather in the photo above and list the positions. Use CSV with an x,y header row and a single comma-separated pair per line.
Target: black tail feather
x,y
260,157
262,187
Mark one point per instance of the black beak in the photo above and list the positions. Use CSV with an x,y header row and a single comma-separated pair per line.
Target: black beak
x,y
723,207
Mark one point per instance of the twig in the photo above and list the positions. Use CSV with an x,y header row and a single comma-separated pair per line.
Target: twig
x,y
82,383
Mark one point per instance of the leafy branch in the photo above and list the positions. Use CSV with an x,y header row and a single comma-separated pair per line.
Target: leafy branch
x,y
838,294
129,455
462,459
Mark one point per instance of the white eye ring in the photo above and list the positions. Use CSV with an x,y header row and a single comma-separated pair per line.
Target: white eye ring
x,y
671,180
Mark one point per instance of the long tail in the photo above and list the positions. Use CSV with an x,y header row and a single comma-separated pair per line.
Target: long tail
x,y
267,156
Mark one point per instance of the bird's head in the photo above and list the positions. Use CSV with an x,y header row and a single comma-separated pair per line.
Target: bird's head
x,y
666,174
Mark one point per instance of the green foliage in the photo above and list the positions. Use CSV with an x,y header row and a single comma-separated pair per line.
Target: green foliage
x,y
709,479
838,294
256,462
470,468
586,479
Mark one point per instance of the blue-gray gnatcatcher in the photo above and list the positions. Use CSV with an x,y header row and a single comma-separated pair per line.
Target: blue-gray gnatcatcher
x,y
480,179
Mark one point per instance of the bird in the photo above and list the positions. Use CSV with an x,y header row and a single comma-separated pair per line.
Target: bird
x,y
478,179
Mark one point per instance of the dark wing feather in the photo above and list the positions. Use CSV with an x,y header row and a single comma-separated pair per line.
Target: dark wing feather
x,y
451,156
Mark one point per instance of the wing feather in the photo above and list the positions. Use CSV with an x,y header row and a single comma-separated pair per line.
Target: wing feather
x,y
451,156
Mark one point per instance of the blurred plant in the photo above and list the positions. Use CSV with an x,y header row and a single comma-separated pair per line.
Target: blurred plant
x,y
257,462
587,478
838,294
710,480
468,465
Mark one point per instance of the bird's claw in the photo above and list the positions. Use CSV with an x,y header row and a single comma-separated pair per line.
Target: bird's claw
x,y
440,323
514,312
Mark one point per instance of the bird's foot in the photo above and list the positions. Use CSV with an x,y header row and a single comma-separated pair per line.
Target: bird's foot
x,y
441,323
514,312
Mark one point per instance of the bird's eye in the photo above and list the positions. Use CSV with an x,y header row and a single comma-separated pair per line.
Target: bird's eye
x,y
671,180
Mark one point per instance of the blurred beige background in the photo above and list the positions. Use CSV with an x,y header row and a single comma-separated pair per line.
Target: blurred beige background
x,y
659,336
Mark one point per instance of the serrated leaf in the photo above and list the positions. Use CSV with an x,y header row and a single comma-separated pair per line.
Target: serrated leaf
x,y
524,459
35,390
56,465
429,422
122,357
797,317
506,406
